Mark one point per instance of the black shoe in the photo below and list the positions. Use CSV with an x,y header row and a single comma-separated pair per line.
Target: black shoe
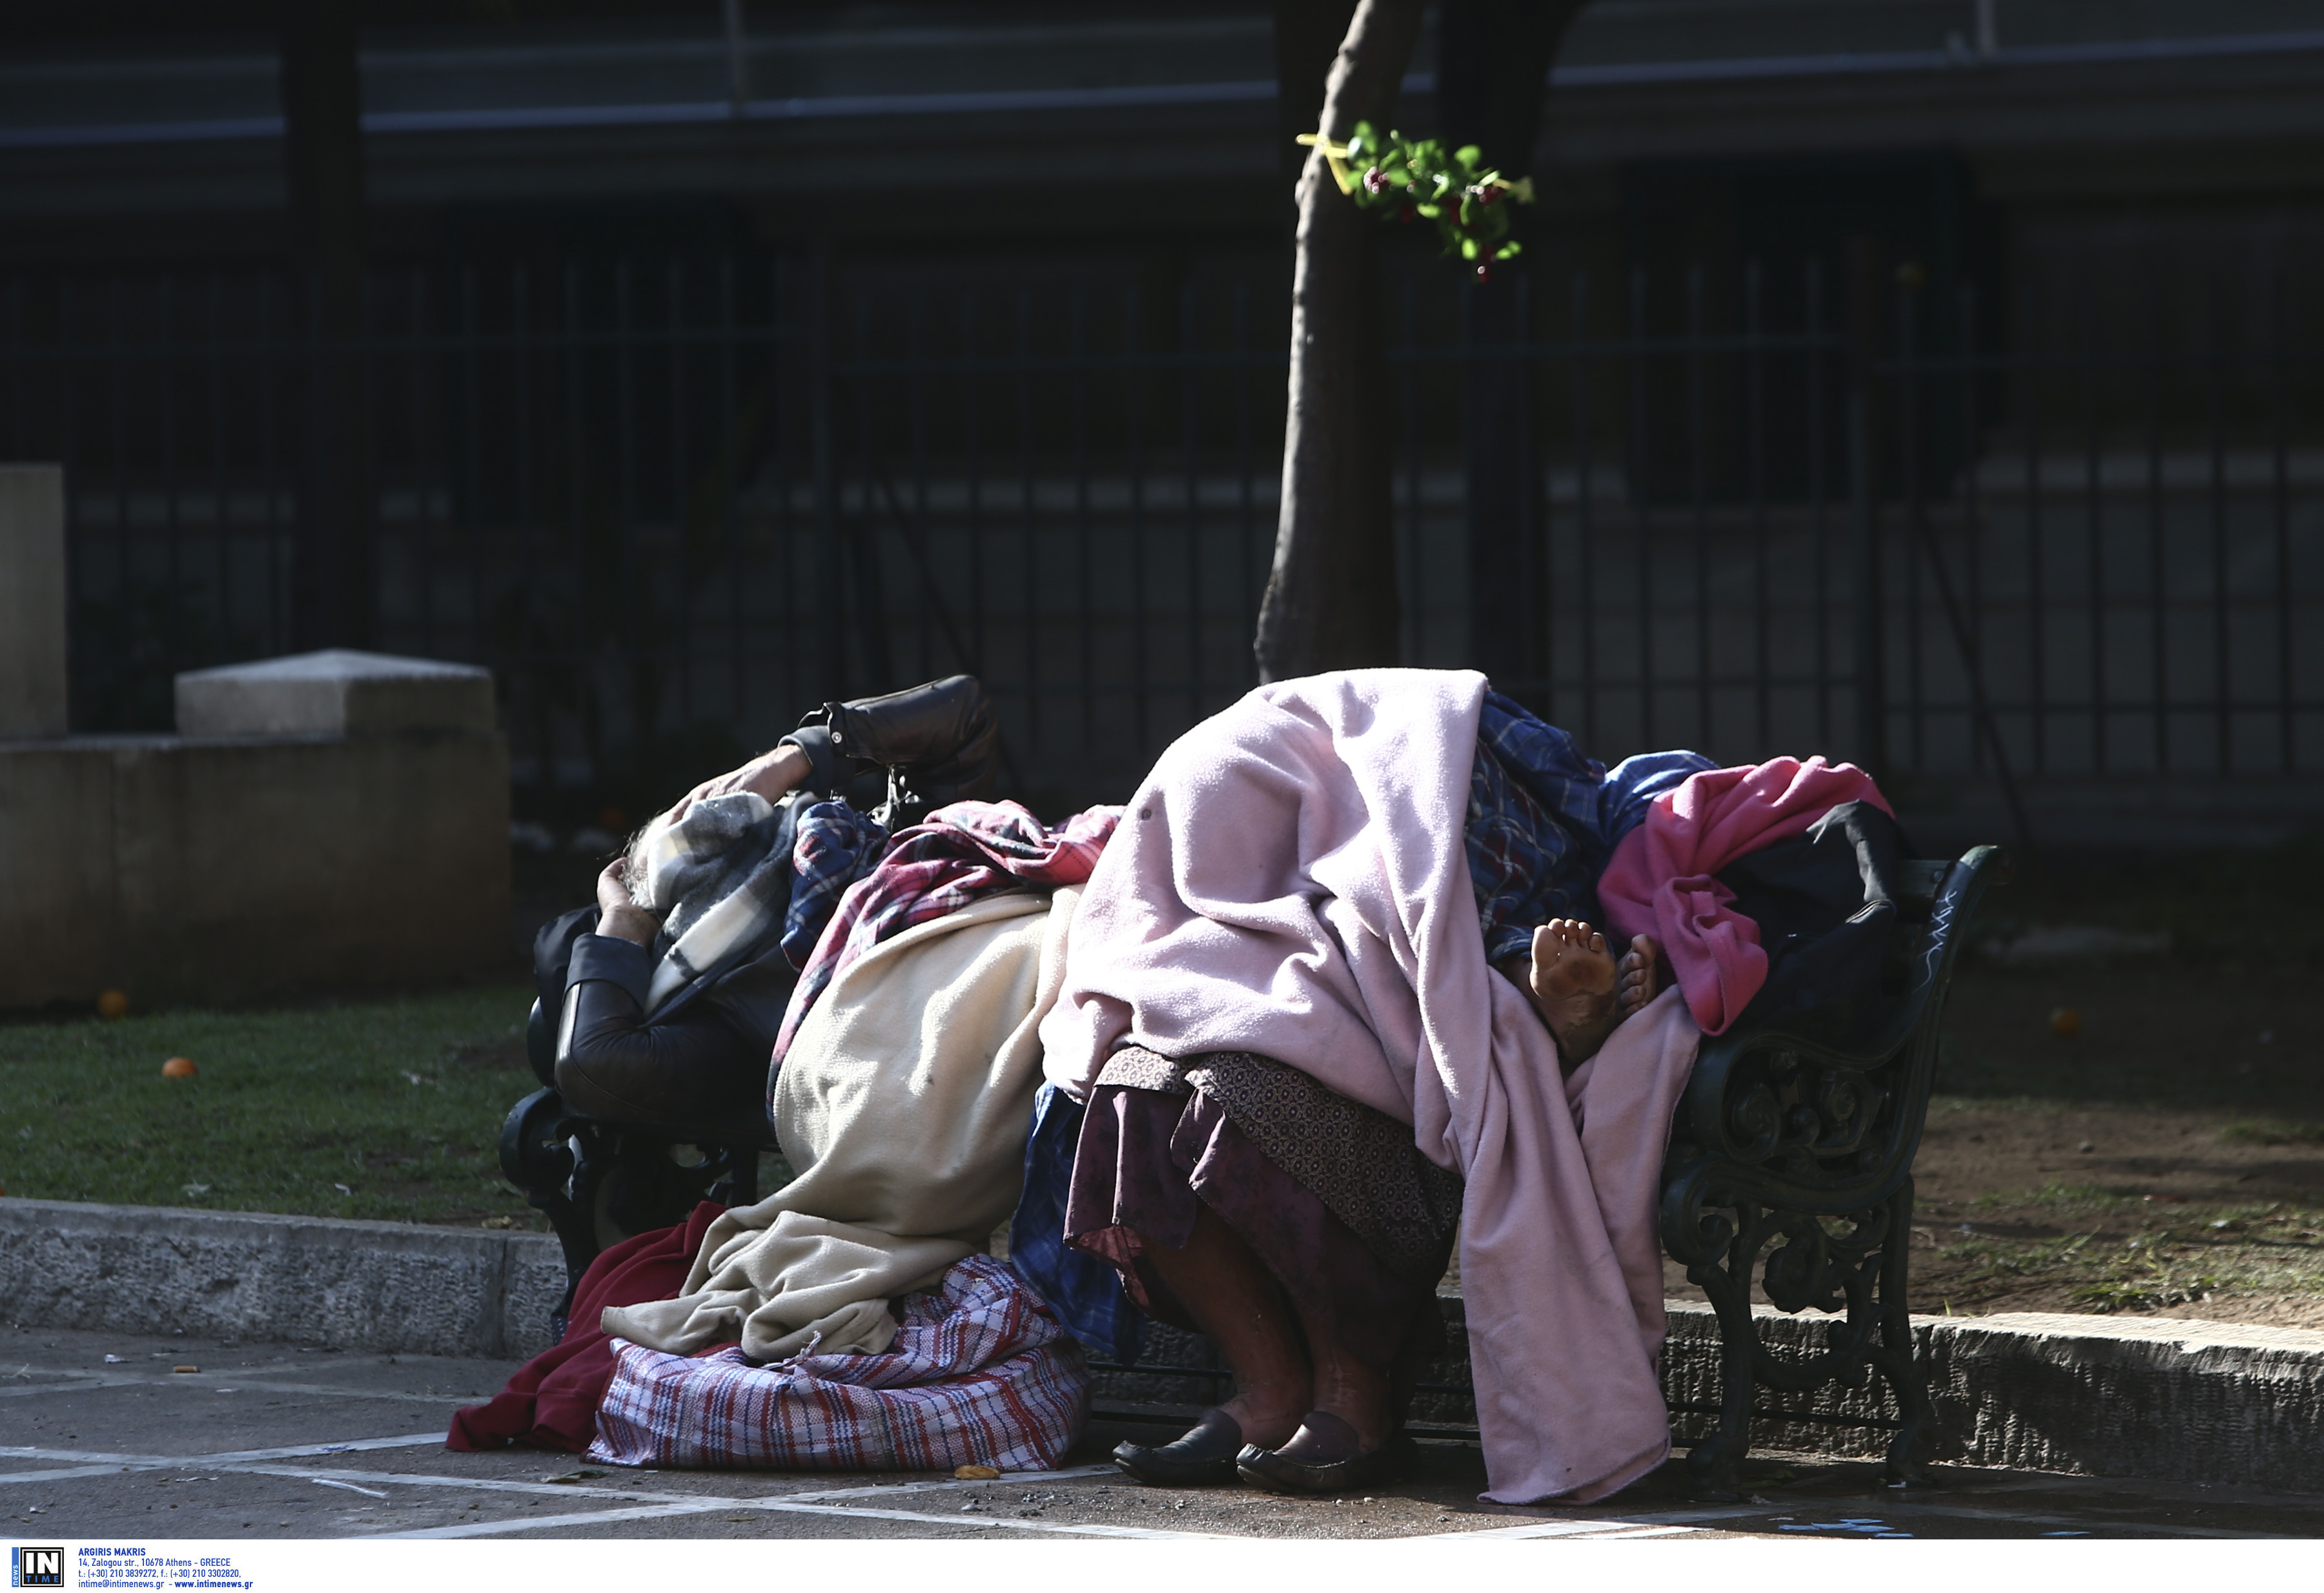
x,y
1393,1461
1203,1455
941,736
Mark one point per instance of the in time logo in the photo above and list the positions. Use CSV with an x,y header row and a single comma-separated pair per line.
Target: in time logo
x,y
36,1568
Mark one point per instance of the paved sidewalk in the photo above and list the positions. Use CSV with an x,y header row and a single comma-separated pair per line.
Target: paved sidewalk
x,y
265,1441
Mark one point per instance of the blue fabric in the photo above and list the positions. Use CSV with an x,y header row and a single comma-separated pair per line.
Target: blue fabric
x,y
1085,1292
835,846
1633,784
1543,819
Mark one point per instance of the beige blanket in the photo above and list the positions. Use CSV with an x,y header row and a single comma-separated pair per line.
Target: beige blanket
x,y
903,1108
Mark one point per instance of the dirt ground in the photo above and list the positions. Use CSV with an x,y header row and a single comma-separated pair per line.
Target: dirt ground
x,y
2169,1158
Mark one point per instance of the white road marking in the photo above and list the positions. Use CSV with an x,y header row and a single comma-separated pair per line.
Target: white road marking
x,y
480,1529
79,1382
131,1463
351,1487
646,1504
1561,1529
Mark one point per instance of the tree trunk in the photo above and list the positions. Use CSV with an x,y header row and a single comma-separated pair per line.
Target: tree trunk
x,y
322,153
1493,59
1330,598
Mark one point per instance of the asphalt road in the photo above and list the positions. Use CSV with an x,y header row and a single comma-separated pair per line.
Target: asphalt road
x,y
104,1436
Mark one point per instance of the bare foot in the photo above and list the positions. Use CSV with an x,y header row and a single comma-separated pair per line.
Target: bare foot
x,y
1572,984
1638,977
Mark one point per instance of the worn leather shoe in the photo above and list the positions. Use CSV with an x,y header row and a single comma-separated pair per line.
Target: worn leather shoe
x,y
1203,1455
1272,1469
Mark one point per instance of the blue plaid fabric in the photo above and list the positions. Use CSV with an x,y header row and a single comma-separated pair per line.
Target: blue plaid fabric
x,y
1085,1291
835,846
1543,819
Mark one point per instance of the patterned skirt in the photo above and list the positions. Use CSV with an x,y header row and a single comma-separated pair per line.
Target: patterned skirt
x,y
1330,1195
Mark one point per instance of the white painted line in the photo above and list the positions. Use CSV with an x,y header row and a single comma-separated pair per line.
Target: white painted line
x,y
351,1487
258,1382
1007,1479
783,1507
61,1474
641,1495
133,1462
485,1529
1555,1529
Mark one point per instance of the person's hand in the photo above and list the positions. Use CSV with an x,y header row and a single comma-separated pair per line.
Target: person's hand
x,y
772,774
618,914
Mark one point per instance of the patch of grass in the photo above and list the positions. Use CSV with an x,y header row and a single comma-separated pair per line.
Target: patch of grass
x,y
388,1109
2117,1295
2274,1133
2058,1196
2136,1256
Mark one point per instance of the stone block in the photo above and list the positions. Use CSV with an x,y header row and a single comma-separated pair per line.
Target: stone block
x,y
391,1288
230,869
32,601
2091,1395
333,693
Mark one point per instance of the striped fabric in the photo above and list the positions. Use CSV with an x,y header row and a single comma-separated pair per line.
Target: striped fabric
x,y
980,1373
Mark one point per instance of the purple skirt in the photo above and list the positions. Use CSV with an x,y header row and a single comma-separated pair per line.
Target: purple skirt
x,y
1359,1239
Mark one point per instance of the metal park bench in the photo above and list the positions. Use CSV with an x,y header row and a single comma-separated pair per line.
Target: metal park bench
x,y
598,1181
1789,1161
1786,1142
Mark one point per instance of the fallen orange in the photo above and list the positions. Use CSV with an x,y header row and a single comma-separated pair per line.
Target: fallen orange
x,y
2066,1022
178,1068
111,1004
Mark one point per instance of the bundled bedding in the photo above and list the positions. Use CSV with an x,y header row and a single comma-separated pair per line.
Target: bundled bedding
x,y
1277,969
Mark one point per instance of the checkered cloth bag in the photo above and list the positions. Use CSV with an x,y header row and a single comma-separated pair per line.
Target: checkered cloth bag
x,y
980,1373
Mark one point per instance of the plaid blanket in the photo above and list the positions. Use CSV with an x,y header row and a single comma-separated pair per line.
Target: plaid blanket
x,y
1543,819
980,1373
957,855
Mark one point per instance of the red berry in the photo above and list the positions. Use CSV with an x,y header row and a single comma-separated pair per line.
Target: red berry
x,y
1373,181
1484,273
1410,215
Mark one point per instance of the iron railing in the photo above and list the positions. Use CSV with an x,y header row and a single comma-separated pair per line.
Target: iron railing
x,y
671,505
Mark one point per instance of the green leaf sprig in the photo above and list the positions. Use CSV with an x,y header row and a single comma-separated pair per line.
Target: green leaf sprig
x,y
1417,180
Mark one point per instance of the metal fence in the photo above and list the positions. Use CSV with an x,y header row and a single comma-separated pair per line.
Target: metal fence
x,y
670,504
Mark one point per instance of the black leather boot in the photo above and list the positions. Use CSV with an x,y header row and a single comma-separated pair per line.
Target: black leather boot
x,y
941,738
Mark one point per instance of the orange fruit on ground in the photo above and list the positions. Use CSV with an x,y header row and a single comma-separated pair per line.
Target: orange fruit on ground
x,y
2066,1022
111,1004
178,1068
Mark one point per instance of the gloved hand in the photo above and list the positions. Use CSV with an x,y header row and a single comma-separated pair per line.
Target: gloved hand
x,y
942,737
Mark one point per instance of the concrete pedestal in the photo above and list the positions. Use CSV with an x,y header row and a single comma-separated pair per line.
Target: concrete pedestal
x,y
230,866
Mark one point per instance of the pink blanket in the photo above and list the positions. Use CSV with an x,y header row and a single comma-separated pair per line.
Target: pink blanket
x,y
1659,881
1290,880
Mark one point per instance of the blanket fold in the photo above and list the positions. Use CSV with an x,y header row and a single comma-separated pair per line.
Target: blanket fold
x,y
1290,880
903,1109
1659,881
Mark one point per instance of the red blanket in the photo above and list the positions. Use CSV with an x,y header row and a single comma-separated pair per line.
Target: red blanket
x,y
1659,882
551,1403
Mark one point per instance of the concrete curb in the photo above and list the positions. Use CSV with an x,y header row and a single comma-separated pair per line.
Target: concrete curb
x,y
2103,1396
2173,1401
382,1286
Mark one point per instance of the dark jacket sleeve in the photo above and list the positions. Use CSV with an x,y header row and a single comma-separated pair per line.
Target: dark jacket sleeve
x,y
695,1070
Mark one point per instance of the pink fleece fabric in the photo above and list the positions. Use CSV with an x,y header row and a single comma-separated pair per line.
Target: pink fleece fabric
x,y
1659,880
1290,880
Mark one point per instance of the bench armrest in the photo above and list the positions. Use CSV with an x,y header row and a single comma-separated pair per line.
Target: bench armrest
x,y
1776,1118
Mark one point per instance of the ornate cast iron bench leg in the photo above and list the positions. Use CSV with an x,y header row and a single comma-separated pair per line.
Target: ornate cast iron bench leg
x,y
1899,1362
1787,1141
